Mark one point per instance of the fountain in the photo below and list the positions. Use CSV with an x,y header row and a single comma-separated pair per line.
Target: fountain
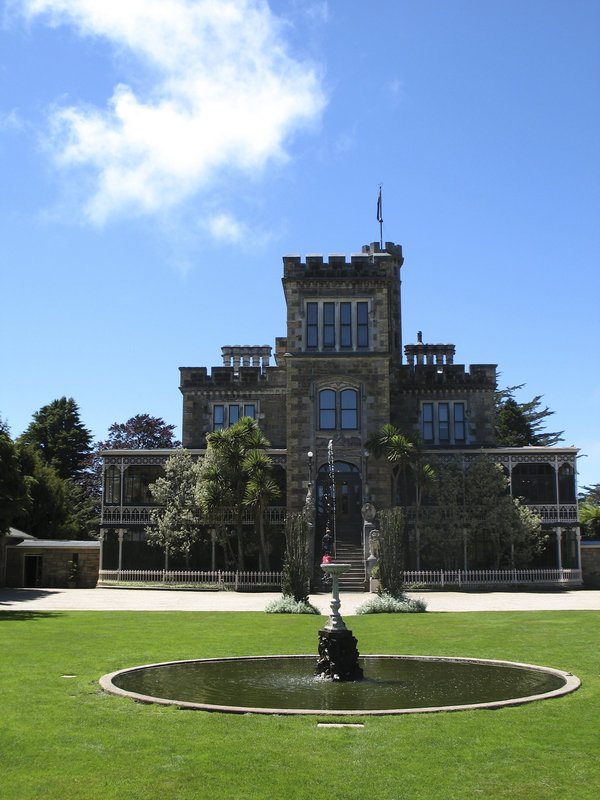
x,y
338,655
392,684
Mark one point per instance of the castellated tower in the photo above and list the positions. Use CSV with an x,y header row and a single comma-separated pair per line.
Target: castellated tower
x,y
343,338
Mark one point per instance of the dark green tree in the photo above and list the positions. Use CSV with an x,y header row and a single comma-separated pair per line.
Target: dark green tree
x,y
59,436
512,427
589,512
522,423
48,515
225,474
296,574
14,493
391,551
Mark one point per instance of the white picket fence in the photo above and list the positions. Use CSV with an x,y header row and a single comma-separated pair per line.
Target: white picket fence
x,y
218,579
492,577
230,579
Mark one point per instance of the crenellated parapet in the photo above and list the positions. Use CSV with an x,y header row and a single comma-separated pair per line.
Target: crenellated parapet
x,y
373,262
445,375
246,356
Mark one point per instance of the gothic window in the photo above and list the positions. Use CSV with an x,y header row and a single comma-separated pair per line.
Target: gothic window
x,y
338,409
349,409
566,483
112,485
250,410
327,409
234,414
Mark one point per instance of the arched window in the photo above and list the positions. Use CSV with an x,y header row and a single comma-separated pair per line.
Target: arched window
x,y
327,409
338,409
349,409
566,484
112,485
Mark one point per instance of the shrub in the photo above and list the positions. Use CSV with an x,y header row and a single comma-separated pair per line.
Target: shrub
x,y
287,605
386,604
295,578
391,561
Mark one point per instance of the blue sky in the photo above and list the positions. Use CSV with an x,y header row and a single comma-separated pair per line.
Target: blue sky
x,y
158,157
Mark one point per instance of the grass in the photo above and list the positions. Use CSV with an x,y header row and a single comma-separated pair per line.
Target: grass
x,y
62,738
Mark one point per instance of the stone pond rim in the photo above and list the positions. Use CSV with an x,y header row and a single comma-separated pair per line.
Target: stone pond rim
x,y
562,683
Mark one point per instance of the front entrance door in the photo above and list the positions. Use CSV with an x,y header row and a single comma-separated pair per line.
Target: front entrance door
x,y
32,576
347,501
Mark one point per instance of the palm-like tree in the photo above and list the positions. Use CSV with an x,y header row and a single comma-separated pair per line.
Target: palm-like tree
x,y
261,489
399,449
425,479
224,475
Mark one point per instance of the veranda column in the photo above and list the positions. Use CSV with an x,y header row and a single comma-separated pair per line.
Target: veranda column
x,y
121,533
559,550
578,544
101,540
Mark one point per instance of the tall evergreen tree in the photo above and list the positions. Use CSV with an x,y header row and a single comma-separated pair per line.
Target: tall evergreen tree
x,y
522,424
59,436
48,516
14,494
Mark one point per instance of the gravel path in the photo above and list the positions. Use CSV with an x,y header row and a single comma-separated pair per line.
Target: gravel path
x,y
173,600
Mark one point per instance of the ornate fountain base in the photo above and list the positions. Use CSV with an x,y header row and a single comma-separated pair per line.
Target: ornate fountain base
x,y
338,656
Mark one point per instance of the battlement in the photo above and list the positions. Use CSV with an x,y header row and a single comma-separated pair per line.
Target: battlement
x,y
373,262
421,353
246,356
445,375
242,365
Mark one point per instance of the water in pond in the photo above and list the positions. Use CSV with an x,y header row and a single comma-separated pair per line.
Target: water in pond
x,y
287,682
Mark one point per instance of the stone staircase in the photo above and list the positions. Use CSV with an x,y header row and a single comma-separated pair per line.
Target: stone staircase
x,y
354,579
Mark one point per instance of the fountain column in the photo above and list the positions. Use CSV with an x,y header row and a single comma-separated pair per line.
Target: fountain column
x,y
338,654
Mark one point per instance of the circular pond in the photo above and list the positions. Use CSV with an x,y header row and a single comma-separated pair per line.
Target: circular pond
x,y
392,685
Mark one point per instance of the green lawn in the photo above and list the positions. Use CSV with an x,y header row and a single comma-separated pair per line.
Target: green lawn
x,y
64,739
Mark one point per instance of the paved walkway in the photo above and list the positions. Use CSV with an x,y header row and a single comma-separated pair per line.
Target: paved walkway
x,y
173,600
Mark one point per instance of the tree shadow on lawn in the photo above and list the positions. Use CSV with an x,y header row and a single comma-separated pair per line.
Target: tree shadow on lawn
x,y
25,616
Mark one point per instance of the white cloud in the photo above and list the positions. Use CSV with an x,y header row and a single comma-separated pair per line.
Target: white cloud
x,y
225,94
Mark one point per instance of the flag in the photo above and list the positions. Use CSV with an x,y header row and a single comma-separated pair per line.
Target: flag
x,y
379,211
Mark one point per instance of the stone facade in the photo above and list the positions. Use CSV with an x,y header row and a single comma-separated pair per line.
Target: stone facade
x,y
339,374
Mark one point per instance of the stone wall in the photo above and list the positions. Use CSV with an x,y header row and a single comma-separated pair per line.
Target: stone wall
x,y
55,565
590,564
265,388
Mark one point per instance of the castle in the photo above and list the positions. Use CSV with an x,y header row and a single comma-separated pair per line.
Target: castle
x,y
340,374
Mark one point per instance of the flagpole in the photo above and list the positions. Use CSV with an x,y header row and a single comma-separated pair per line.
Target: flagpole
x,y
380,217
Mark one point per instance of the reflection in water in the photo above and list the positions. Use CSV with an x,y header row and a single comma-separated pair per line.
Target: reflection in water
x,y
288,683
